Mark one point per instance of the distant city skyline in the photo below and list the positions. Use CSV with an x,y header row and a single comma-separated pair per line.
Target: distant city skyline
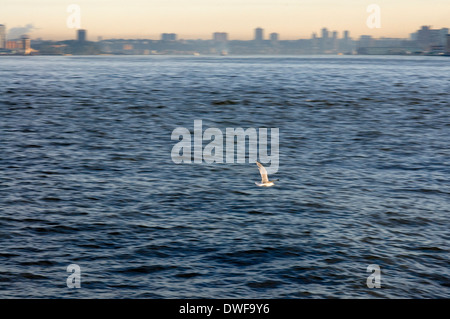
x,y
199,19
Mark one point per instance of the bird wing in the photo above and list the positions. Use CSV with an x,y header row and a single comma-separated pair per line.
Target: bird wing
x,y
263,172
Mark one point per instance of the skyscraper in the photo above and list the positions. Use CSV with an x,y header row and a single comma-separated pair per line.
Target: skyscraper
x,y
259,34
2,36
334,41
346,35
81,35
345,44
274,37
325,33
26,44
324,40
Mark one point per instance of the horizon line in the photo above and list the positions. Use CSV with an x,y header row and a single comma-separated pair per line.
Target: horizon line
x,y
203,38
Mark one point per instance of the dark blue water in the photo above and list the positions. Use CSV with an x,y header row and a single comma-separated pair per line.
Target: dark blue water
x,y
86,177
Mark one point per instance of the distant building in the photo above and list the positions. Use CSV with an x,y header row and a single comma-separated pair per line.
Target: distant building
x,y
365,41
442,35
26,44
2,36
274,37
325,33
13,45
334,41
345,44
81,35
259,35
346,35
447,47
427,37
127,47
220,37
325,40
168,37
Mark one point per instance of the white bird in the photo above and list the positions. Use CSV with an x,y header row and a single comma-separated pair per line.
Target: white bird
x,y
264,179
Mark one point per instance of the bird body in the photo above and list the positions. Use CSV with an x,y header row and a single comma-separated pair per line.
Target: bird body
x,y
268,184
264,178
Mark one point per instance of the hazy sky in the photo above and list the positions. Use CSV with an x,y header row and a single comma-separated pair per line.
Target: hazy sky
x,y
193,19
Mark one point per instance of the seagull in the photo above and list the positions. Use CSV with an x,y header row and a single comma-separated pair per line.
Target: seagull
x,y
264,180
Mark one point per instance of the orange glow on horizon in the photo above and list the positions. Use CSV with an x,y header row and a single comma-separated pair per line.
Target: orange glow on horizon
x,y
199,19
